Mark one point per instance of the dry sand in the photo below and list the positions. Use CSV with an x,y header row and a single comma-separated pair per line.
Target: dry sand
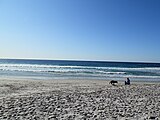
x,y
78,99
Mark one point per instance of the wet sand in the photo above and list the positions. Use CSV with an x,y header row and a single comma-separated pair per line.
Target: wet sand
x,y
78,99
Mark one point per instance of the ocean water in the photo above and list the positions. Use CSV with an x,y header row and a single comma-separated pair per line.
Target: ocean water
x,y
60,69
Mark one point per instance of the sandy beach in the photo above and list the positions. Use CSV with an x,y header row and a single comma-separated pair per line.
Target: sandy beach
x,y
78,99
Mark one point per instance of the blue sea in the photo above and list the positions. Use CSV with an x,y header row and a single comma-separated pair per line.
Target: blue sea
x,y
65,69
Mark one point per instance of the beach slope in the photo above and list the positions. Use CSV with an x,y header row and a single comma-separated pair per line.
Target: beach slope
x,y
78,99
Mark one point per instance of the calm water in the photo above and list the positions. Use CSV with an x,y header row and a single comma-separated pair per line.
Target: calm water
x,y
58,69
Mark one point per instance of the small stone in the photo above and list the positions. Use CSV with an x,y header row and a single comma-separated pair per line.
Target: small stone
x,y
152,117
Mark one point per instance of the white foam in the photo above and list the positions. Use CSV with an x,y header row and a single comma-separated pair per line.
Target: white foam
x,y
83,70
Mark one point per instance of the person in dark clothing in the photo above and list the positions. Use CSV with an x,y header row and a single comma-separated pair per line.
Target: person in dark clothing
x,y
127,82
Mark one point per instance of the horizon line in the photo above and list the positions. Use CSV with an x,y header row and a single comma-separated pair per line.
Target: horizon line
x,y
85,60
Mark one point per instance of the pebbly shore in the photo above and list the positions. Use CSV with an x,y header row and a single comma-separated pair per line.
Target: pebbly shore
x,y
78,100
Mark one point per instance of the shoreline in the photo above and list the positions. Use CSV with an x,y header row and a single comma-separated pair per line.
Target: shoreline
x,y
44,78
78,99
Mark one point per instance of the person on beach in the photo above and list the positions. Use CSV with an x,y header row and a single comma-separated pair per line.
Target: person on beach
x,y
127,82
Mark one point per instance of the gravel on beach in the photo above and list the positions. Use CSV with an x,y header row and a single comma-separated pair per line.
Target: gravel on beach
x,y
78,100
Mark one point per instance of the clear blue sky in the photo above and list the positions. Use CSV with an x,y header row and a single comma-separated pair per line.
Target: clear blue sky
x,y
114,30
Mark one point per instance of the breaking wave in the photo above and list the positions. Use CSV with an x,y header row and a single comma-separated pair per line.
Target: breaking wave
x,y
145,72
